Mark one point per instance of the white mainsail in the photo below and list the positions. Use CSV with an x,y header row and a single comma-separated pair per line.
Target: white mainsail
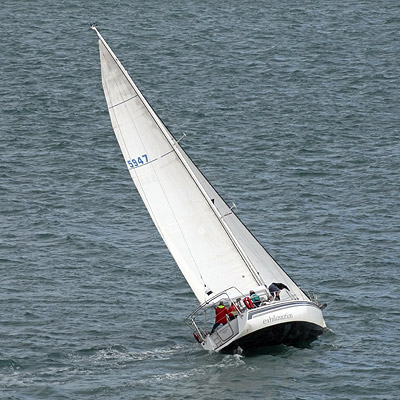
x,y
209,243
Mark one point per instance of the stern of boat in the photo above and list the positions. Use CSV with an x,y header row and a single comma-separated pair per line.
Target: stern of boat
x,y
291,322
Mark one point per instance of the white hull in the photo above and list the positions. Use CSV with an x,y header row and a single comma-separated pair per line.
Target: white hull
x,y
288,322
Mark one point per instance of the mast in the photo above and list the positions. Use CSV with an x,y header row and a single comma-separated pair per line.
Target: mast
x,y
178,151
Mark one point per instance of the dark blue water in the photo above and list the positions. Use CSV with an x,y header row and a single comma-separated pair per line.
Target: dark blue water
x,y
291,109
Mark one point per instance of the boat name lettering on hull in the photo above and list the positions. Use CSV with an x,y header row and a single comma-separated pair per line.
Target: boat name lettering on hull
x,y
275,318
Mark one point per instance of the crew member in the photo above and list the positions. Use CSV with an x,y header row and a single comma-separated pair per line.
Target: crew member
x,y
220,316
275,289
255,298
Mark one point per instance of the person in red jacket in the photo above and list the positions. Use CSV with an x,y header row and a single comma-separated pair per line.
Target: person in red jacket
x,y
220,316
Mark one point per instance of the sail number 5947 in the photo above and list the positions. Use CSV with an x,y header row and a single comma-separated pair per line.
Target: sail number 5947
x,y
136,162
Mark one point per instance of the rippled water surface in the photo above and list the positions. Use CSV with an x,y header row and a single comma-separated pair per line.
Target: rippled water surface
x,y
291,109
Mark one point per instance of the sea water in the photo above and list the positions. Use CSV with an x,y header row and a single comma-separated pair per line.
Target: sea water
x,y
291,109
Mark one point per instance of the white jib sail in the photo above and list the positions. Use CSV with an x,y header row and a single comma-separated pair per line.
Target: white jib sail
x,y
208,242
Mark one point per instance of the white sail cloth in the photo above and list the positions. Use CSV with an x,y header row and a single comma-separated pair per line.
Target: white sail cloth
x,y
211,246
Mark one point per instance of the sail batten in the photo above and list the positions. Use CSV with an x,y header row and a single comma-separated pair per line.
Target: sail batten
x,y
211,246
122,102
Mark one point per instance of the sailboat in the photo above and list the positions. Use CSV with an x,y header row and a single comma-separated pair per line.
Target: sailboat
x,y
220,259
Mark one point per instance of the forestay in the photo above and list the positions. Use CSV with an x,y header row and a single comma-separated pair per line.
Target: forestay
x,y
211,246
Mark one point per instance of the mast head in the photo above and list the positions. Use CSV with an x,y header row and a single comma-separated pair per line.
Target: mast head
x,y
93,26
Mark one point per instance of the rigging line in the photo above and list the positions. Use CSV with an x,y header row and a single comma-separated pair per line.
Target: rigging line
x,y
281,270
253,271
